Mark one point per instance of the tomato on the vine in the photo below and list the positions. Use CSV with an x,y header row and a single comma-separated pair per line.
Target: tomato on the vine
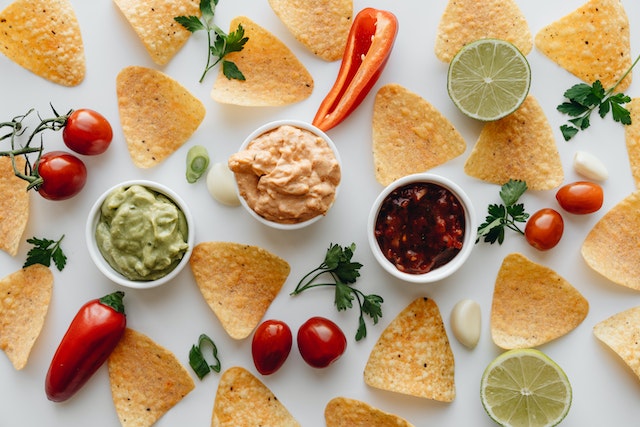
x,y
271,345
87,132
63,175
580,198
544,229
321,342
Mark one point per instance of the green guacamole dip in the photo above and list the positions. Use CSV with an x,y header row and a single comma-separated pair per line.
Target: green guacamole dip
x,y
141,233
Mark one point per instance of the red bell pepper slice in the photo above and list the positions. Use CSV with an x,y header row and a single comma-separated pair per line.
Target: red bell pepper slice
x,y
368,48
93,334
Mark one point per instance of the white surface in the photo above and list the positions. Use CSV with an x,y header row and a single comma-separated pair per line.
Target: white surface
x,y
605,390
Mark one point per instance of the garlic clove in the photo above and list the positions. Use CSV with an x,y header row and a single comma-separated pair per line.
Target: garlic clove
x,y
589,166
466,322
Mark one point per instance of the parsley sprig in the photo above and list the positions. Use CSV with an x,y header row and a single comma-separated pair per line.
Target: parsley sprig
x,y
220,43
337,264
505,215
584,99
44,251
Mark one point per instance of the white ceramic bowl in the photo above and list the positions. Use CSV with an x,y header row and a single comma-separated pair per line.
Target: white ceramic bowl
x,y
455,263
266,128
103,265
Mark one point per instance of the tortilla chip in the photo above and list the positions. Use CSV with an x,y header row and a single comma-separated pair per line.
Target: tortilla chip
x,y
273,74
632,138
532,304
592,43
519,146
464,21
26,295
322,26
153,22
14,206
239,282
344,412
410,135
158,115
616,258
621,332
243,400
146,379
44,37
413,355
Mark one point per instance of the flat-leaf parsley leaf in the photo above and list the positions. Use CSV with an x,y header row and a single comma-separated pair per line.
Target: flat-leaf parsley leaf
x,y
505,215
44,251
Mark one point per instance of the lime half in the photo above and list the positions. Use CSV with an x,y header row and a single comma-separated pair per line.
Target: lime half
x,y
525,388
488,79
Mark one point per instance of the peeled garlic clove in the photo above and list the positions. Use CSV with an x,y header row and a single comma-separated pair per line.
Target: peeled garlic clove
x,y
466,322
589,166
221,184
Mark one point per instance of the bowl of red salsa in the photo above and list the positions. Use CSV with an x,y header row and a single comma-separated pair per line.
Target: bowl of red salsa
x,y
422,228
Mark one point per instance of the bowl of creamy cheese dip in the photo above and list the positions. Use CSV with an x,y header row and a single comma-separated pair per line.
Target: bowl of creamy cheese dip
x,y
140,234
287,173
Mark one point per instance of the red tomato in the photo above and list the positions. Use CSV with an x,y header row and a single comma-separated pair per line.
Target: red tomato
x,y
580,197
271,345
63,174
544,229
321,342
87,132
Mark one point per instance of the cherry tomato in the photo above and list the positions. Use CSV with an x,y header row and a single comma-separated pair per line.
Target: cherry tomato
x,y
271,345
63,174
321,342
580,197
87,132
544,229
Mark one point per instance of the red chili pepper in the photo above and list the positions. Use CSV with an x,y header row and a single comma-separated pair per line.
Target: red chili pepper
x,y
369,45
93,334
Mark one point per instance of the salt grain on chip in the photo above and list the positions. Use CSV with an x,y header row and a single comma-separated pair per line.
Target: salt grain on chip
x,y
533,304
239,282
519,146
14,205
44,37
147,380
592,42
464,21
158,115
410,135
621,333
243,400
274,76
413,355
24,303
345,412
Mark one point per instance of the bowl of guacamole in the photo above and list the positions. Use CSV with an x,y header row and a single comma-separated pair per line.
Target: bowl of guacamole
x,y
140,234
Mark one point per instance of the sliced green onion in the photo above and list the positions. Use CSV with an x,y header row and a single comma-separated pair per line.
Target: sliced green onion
x,y
197,163
197,360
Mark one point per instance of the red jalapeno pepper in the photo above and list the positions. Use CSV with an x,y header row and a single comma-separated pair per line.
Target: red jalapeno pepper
x,y
93,334
369,45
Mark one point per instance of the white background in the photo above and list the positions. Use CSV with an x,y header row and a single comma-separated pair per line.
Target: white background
x,y
605,390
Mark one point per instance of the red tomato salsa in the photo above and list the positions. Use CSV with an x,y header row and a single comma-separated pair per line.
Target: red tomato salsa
x,y
420,227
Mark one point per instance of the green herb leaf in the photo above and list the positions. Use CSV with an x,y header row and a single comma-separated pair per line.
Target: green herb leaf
x,y
504,216
231,71
44,251
197,360
191,23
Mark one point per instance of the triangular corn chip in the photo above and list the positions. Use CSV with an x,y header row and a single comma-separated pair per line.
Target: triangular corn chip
x,y
532,304
410,135
605,250
322,26
274,76
345,412
592,43
14,205
464,21
621,332
632,139
44,37
519,146
26,295
146,379
153,22
158,115
243,400
413,355
239,282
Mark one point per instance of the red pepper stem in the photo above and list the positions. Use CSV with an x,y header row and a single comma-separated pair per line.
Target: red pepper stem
x,y
114,301
368,48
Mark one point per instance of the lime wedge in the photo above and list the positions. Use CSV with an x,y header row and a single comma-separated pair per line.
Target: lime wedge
x,y
488,79
525,388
